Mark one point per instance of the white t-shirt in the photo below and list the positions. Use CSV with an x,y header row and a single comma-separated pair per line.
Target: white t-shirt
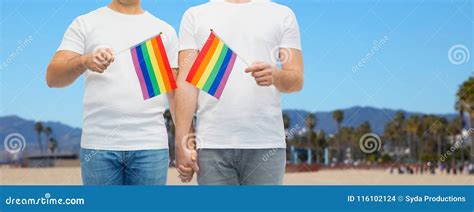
x,y
247,116
115,115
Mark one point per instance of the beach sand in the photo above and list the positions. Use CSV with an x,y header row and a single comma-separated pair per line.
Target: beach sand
x,y
71,176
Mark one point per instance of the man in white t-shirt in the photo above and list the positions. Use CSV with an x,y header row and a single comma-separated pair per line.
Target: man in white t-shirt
x,y
240,138
124,138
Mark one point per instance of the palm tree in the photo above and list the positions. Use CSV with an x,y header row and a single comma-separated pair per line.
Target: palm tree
x,y
52,145
412,127
437,129
395,132
345,137
465,103
310,122
48,131
286,122
363,129
338,117
454,128
322,143
39,129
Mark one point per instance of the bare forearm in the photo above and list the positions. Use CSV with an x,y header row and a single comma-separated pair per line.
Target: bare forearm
x,y
63,73
185,106
288,81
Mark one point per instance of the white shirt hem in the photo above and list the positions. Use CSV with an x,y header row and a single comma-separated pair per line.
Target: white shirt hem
x,y
243,146
123,148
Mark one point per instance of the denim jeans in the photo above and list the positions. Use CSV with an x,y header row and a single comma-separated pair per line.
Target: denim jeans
x,y
143,167
241,166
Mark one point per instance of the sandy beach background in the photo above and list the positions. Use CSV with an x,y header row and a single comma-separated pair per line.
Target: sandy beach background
x,y
71,176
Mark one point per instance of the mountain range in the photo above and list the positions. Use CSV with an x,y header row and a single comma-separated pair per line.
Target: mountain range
x,y
353,117
69,137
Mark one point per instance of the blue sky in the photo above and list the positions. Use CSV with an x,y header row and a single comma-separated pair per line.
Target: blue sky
x,y
410,71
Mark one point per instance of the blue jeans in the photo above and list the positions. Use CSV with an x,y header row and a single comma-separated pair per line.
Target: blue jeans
x,y
144,167
241,166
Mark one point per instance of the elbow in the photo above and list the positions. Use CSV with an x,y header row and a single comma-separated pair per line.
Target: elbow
x,y
49,82
296,86
50,79
291,82
291,89
299,86
300,80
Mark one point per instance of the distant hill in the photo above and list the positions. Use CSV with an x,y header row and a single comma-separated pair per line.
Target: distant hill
x,y
69,137
353,117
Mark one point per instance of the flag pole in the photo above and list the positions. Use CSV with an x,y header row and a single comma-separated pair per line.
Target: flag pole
x,y
238,55
123,50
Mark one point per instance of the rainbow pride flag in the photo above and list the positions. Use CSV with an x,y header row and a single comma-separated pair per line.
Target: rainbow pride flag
x,y
153,68
212,67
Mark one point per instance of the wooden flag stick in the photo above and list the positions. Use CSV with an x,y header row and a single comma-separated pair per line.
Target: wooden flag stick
x,y
238,55
123,50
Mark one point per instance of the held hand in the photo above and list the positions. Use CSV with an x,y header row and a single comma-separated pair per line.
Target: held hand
x,y
186,165
186,161
262,72
99,60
